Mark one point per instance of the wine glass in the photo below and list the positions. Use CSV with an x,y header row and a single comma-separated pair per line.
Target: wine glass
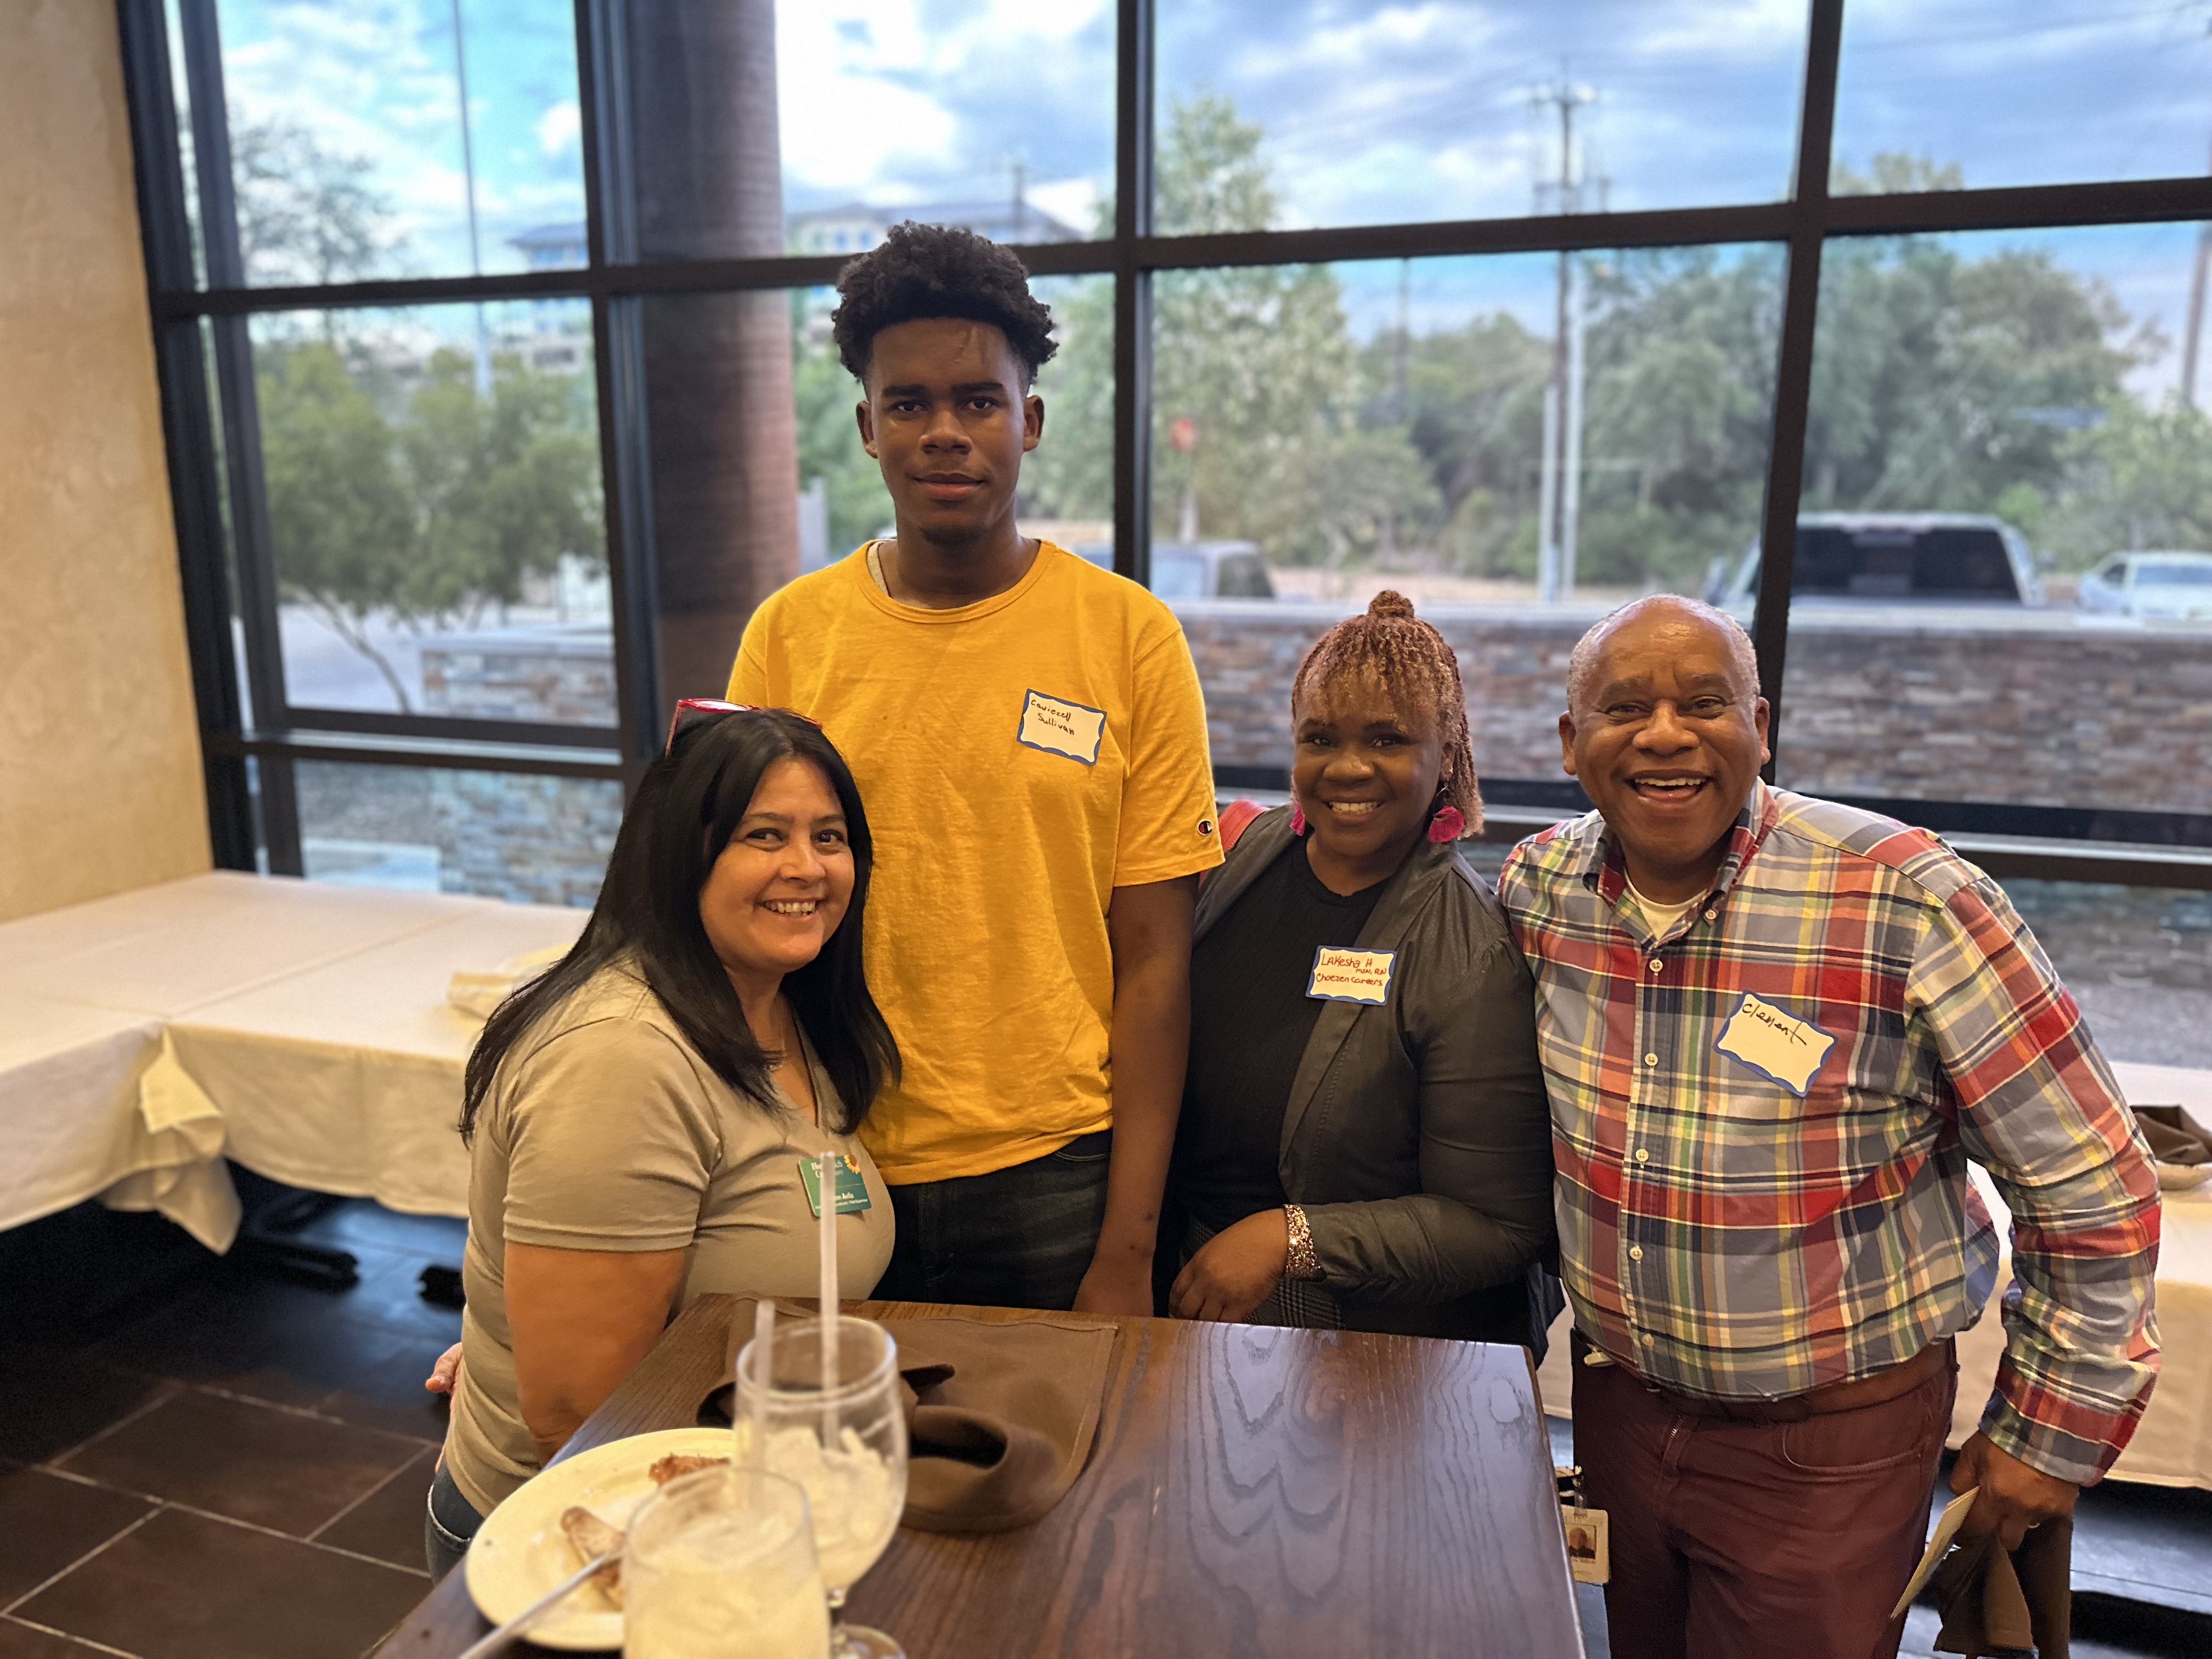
x,y
722,1549
840,1431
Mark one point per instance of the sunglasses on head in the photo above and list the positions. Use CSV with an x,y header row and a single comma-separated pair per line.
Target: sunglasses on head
x,y
691,711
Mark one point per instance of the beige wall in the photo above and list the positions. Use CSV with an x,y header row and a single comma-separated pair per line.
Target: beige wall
x,y
99,768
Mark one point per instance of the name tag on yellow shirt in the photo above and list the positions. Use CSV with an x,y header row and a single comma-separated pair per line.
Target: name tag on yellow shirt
x,y
1775,1043
852,1190
1343,974
1061,727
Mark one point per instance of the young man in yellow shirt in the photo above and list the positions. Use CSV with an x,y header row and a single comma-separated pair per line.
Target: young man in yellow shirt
x,y
1028,734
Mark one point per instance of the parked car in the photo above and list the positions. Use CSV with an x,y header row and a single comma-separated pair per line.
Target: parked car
x,y
2157,584
1908,557
1198,570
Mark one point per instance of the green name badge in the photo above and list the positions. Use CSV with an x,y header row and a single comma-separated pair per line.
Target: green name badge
x,y
852,1190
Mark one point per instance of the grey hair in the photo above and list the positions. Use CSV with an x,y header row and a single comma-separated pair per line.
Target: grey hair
x,y
1581,667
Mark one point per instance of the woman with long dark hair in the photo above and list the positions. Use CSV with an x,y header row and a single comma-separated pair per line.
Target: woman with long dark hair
x,y
637,1118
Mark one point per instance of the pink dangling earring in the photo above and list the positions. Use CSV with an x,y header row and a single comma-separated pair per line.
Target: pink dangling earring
x,y
1447,825
1298,819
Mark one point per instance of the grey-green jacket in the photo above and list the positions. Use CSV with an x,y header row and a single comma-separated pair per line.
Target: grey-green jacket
x,y
1417,1136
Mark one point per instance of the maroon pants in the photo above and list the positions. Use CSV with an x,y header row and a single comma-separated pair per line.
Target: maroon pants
x,y
1742,1540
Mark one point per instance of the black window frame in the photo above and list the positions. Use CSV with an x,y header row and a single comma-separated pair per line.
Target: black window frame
x,y
249,763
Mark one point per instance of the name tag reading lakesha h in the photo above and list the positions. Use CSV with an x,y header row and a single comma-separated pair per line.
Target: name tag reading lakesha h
x,y
1061,727
1775,1043
1343,974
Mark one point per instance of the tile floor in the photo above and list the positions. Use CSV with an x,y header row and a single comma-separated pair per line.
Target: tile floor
x,y
215,1463
198,1460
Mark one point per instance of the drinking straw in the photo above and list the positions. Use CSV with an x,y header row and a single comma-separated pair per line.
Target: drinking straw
x,y
828,1288
763,1376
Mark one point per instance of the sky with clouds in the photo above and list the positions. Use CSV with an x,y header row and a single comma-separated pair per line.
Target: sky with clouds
x,y
1374,111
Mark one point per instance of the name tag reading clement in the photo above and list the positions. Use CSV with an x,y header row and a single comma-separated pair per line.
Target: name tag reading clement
x,y
1775,1043
1061,727
1343,974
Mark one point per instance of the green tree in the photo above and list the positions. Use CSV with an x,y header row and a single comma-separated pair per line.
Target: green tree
x,y
304,213
1473,411
830,438
1258,361
2143,479
450,506
1941,382
1680,369
340,514
504,487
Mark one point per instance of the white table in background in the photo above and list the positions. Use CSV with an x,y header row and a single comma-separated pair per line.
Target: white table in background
x,y
96,1101
347,1078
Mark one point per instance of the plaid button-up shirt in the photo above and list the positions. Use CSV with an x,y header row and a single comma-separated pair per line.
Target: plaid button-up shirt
x,y
1727,1234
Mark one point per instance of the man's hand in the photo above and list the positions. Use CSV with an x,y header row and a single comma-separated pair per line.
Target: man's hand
x,y
1233,1271
2013,1497
1116,1282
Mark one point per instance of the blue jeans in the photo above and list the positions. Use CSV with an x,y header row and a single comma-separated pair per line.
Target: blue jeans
x,y
1018,1237
449,1520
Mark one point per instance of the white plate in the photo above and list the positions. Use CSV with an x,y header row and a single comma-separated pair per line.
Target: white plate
x,y
2182,1177
520,1551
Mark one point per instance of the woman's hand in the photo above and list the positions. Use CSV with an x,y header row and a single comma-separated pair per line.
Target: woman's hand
x,y
445,1377
1233,1271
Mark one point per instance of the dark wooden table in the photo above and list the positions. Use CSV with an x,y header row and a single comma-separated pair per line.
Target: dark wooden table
x,y
1253,1491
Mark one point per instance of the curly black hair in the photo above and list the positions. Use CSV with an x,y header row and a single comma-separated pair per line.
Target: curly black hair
x,y
937,270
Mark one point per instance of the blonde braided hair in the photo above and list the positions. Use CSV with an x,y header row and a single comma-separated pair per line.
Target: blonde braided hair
x,y
1411,661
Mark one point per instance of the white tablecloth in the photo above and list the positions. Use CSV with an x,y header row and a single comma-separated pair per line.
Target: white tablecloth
x,y
2173,1445
347,1078
299,1026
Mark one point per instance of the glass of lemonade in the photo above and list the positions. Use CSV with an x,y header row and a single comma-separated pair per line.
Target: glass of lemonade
x,y
722,1561
844,1443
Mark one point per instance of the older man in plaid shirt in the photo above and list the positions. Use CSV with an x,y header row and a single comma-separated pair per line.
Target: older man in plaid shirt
x,y
1775,1029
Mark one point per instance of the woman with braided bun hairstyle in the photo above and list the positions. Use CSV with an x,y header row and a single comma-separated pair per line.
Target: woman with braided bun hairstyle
x,y
1365,1140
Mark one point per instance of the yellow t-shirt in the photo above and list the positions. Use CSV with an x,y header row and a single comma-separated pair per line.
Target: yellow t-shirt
x,y
1020,759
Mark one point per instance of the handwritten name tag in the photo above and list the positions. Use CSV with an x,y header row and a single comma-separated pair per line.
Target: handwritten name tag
x,y
1061,727
1775,1043
1343,974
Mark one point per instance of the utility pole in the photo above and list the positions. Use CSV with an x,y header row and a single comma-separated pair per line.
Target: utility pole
x,y
1021,202
1560,491
469,178
2193,336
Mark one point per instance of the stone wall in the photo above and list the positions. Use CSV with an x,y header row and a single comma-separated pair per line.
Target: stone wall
x,y
528,839
524,837
563,675
2045,708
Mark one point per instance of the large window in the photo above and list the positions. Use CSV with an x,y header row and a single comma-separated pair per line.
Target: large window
x,y
2001,610
496,353
1376,112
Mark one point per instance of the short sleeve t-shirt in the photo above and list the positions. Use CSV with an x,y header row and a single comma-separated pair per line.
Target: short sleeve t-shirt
x,y
1250,1018
604,1130
1020,759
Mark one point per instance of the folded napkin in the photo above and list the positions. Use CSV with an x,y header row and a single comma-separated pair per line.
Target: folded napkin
x,y
2173,1136
1001,1415
2000,1603
478,994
